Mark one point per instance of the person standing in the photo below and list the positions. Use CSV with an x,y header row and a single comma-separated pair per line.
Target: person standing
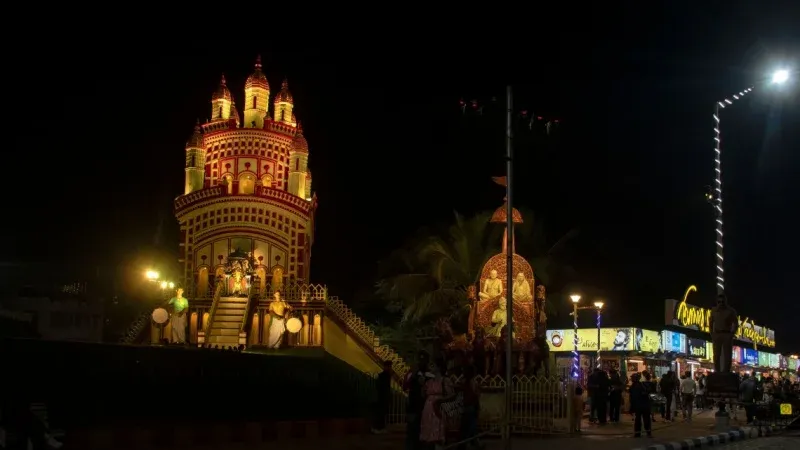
x,y
180,305
640,406
383,386
615,396
600,395
471,391
667,386
748,392
688,391
413,386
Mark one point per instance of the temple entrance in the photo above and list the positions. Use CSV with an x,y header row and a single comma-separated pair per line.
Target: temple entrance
x,y
202,282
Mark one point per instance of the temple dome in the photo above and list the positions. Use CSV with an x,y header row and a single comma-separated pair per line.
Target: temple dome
x,y
257,78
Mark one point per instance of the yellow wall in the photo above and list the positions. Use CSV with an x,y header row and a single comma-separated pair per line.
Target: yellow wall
x,y
342,346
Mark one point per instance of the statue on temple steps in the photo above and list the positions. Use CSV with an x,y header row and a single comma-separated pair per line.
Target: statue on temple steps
x,y
724,322
492,287
521,291
278,314
180,306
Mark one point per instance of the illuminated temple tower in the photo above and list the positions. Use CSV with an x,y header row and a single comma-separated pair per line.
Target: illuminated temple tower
x,y
248,189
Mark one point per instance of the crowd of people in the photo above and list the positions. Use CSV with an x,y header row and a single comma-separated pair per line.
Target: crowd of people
x,y
671,397
433,398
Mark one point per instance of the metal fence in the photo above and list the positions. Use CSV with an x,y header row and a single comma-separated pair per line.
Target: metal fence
x,y
538,405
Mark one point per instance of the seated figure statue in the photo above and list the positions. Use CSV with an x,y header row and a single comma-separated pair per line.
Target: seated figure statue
x,y
521,291
499,319
492,287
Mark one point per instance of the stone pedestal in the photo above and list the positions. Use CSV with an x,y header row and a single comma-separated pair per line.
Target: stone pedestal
x,y
722,387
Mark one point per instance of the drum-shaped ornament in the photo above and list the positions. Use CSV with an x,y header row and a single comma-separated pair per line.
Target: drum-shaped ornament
x,y
160,316
294,325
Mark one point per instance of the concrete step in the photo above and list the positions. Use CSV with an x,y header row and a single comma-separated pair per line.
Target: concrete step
x,y
229,312
233,299
226,340
224,332
231,324
228,318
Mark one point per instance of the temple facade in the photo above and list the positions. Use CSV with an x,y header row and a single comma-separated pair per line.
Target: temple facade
x,y
247,189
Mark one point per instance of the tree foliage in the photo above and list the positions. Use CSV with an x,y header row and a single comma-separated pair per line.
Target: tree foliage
x,y
429,278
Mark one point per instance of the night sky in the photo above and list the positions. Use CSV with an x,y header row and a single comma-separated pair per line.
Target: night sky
x,y
98,153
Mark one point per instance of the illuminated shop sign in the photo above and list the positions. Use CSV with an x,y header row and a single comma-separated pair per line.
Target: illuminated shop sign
x,y
696,348
611,339
683,314
750,357
673,342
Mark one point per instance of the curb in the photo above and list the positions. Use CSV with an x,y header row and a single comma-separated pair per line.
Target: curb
x,y
736,434
185,436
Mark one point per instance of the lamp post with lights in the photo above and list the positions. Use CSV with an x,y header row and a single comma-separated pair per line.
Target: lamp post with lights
x,y
714,195
598,305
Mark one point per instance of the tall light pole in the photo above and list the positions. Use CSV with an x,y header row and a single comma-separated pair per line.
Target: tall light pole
x,y
509,259
715,195
599,306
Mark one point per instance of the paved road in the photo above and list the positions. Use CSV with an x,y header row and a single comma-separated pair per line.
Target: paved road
x,y
769,443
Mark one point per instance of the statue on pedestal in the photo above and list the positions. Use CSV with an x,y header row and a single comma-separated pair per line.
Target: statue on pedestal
x,y
180,306
278,314
499,319
724,322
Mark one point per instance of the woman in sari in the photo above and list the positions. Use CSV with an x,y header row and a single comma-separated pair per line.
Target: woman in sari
x,y
438,389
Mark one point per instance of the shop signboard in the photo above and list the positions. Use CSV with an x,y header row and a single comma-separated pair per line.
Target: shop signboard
x,y
673,342
686,315
697,348
611,339
763,359
737,355
750,357
774,362
792,363
783,362
647,341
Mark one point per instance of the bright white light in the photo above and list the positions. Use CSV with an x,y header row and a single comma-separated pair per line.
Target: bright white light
x,y
575,298
780,77
151,275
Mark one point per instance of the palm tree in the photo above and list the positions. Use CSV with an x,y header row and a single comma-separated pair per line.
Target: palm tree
x,y
438,270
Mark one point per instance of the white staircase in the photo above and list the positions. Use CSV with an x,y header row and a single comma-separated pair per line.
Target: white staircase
x,y
227,321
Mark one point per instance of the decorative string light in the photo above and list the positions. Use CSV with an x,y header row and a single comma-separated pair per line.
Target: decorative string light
x,y
715,195
575,359
598,337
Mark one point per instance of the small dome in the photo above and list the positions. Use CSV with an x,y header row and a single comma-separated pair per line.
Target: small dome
x,y
284,95
257,79
501,215
222,92
299,144
196,139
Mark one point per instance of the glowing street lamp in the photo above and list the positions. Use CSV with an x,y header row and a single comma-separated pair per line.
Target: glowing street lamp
x,y
714,195
780,76
152,275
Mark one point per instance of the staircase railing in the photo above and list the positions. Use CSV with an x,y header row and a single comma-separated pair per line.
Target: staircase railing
x,y
367,335
212,312
136,327
245,316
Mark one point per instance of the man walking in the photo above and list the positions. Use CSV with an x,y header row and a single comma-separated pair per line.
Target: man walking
x,y
667,385
688,391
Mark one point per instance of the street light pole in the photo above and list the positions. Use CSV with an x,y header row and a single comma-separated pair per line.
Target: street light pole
x,y
509,260
575,361
599,306
715,196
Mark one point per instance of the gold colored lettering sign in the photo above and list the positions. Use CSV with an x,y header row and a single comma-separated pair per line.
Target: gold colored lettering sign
x,y
786,409
611,339
699,351
691,316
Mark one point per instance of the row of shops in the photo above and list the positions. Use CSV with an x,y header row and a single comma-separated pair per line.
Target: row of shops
x,y
631,350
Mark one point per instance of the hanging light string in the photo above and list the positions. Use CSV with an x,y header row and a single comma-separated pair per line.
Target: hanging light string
x,y
715,196
575,362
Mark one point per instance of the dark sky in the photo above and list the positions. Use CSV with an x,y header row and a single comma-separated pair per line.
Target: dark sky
x,y
101,124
